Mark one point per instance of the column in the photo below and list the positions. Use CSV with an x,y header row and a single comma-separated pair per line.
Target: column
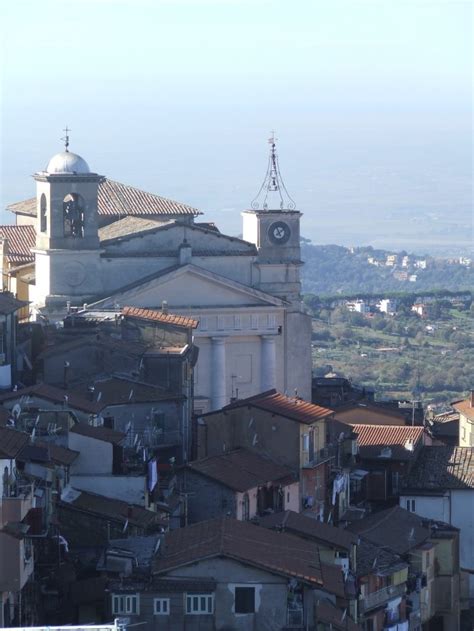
x,y
268,363
217,372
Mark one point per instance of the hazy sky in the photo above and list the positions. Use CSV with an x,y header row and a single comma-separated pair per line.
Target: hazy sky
x,y
371,101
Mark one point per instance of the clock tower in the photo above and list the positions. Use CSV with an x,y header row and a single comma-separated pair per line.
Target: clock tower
x,y
273,225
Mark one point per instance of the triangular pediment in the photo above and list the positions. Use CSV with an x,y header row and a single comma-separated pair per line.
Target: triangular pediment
x,y
138,235
188,287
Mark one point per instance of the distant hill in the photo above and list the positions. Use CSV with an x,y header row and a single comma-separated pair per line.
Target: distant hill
x,y
333,269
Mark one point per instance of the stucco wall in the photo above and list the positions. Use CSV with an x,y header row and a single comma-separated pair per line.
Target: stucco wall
x,y
206,498
95,456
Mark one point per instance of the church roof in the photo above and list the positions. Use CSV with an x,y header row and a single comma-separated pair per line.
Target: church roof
x,y
116,199
20,241
159,316
129,226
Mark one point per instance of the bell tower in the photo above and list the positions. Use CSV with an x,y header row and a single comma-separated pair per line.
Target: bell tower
x,y
67,250
273,225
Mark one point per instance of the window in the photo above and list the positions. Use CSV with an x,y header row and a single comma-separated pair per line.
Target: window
x,y
245,600
43,215
305,442
161,606
73,216
125,604
411,505
199,603
245,508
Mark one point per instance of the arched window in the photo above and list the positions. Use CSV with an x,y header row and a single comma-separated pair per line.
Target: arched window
x,y
73,216
43,214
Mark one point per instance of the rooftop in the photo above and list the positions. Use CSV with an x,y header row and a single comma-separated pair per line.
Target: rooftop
x,y
104,434
444,467
153,315
396,528
12,442
402,440
292,408
55,395
9,304
309,527
242,470
49,452
465,408
275,552
116,199
109,508
20,241
376,559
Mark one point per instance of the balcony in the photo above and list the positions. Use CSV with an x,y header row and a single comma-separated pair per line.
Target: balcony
x,y
319,456
378,598
16,503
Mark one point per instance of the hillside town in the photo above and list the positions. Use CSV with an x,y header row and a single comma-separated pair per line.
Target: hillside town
x,y
169,459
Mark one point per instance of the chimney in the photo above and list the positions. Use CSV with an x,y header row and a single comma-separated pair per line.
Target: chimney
x,y
66,373
185,253
471,399
164,306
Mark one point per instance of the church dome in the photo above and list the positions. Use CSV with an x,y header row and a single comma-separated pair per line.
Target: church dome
x,y
67,163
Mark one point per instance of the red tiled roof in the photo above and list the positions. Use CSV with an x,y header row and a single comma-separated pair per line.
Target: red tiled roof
x,y
465,408
12,442
309,527
289,407
20,241
371,439
439,468
56,395
158,316
111,508
242,470
119,199
275,552
9,304
105,434
328,613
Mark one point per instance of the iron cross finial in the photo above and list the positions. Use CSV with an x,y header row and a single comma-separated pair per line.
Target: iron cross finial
x,y
66,137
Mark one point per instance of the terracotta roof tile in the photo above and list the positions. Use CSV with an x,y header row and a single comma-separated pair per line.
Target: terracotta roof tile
x,y
12,442
278,553
242,470
309,527
56,395
443,467
465,408
158,316
371,439
289,407
105,434
110,508
120,200
20,241
9,304
394,528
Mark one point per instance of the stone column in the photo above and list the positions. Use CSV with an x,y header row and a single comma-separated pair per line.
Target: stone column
x,y
218,377
268,363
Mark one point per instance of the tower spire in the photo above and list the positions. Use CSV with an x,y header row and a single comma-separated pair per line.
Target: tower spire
x,y
66,138
273,185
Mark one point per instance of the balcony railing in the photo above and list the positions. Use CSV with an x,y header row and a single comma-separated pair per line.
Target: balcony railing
x,y
319,456
375,599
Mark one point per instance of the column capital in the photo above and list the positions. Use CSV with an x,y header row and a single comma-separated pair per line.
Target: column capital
x,y
218,339
268,337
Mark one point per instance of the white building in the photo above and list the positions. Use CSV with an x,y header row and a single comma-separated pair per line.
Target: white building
x,y
388,306
359,306
440,486
106,244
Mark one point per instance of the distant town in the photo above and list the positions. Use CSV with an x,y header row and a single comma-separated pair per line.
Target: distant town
x,y
196,434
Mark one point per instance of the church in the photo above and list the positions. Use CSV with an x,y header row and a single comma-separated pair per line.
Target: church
x,y
88,240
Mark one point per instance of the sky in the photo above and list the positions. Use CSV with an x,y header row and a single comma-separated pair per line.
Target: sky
x,y
370,101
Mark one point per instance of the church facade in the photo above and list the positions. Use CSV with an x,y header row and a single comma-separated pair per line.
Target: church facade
x,y
109,245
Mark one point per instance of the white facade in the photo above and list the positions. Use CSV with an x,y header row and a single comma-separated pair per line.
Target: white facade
x,y
253,334
454,507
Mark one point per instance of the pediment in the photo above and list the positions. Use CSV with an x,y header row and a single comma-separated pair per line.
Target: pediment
x,y
138,235
188,287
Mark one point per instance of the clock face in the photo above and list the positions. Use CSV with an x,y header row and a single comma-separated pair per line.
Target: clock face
x,y
279,232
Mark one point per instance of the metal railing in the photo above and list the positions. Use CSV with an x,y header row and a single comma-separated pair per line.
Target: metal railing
x,y
375,599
